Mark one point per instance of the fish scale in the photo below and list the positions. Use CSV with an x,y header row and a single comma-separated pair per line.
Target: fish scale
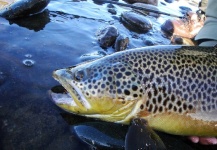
x,y
174,88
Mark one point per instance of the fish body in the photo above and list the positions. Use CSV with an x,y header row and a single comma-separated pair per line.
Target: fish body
x,y
174,88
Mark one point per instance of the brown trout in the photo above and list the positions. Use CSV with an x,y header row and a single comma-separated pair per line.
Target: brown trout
x,y
174,88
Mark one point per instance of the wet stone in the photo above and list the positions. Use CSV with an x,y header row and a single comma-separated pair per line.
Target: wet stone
x,y
107,36
19,8
112,11
101,135
169,1
149,42
184,9
110,6
152,2
136,22
121,42
147,6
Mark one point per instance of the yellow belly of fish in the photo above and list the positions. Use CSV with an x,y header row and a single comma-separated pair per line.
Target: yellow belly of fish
x,y
182,125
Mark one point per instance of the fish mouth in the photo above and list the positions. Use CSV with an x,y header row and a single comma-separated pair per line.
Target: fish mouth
x,y
69,94
60,96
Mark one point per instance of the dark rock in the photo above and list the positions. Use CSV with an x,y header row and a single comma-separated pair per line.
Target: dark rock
x,y
112,11
110,6
149,42
169,1
147,6
152,2
168,27
35,22
136,22
121,42
184,9
23,8
107,36
101,135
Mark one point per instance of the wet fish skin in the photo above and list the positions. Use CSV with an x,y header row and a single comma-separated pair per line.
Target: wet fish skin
x,y
174,88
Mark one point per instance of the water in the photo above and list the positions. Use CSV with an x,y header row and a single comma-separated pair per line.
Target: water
x,y
30,49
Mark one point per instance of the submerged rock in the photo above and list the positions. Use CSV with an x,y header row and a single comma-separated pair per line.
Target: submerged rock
x,y
169,1
136,22
121,42
107,36
149,42
101,135
18,8
147,6
152,2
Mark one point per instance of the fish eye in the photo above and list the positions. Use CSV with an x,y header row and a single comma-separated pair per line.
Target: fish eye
x,y
79,75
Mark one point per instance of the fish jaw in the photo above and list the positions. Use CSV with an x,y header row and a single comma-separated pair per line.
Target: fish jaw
x,y
104,108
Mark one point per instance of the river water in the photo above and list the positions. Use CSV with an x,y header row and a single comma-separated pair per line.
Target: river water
x,y
30,49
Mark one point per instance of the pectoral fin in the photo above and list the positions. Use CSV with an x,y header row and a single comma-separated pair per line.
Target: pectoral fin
x,y
141,136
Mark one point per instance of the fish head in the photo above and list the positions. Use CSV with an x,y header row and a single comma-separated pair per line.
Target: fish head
x,y
100,89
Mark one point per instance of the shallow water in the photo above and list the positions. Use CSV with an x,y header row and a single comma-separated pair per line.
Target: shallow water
x,y
30,49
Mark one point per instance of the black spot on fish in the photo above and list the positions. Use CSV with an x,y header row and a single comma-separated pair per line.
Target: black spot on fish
x,y
141,106
175,108
179,103
180,110
159,99
147,103
155,109
127,92
170,106
135,95
127,73
134,87
150,108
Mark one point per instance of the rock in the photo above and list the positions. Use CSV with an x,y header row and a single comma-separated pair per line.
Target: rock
x,y
112,11
149,42
136,22
21,8
184,9
169,1
101,135
107,36
168,27
121,42
152,2
148,6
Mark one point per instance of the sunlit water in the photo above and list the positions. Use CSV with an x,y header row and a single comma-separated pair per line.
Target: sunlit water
x,y
30,49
